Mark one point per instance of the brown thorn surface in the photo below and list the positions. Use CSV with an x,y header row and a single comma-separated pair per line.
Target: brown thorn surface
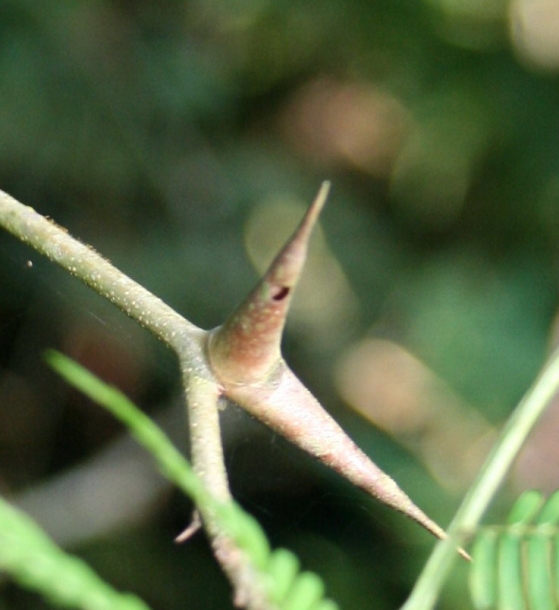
x,y
247,347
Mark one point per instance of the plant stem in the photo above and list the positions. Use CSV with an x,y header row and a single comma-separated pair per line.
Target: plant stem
x,y
490,477
92,269
187,342
208,462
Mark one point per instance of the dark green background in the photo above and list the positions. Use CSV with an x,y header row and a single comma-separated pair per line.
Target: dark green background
x,y
154,130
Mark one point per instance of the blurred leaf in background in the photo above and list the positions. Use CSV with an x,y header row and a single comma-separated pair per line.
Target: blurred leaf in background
x,y
181,139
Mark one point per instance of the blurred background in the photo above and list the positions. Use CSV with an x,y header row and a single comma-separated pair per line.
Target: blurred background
x,y
183,140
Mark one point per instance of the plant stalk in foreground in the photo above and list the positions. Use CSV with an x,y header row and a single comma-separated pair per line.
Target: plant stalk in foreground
x,y
490,477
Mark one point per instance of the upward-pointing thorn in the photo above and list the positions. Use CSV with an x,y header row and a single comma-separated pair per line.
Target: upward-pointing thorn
x,y
247,347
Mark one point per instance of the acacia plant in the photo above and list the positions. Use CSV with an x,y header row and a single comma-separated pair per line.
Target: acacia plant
x,y
240,361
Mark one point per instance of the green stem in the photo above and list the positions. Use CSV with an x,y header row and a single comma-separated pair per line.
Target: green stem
x,y
81,261
490,477
186,340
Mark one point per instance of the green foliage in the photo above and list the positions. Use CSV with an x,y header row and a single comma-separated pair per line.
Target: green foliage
x,y
289,588
515,565
169,460
35,562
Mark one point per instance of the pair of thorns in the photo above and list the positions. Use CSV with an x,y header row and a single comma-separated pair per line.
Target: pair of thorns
x,y
244,355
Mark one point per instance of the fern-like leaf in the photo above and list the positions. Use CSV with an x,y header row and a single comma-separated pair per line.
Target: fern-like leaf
x,y
516,566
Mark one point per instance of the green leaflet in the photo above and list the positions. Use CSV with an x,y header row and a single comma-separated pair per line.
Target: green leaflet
x,y
33,560
515,567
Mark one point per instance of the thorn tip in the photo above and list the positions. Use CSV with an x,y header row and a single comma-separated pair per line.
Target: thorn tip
x,y
319,200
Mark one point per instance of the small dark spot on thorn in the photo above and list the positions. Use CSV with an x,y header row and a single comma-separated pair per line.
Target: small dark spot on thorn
x,y
279,292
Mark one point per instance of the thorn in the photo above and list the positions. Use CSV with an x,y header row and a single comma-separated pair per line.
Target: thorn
x,y
289,408
245,357
464,554
188,532
246,348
